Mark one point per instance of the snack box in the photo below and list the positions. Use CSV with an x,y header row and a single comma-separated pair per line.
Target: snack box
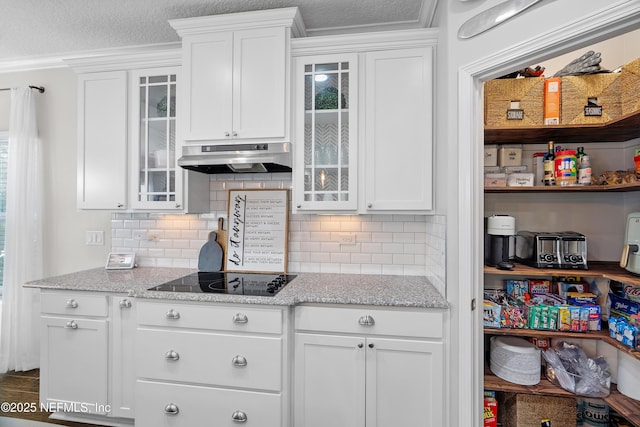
x,y
579,298
622,307
539,286
565,287
490,411
517,288
491,314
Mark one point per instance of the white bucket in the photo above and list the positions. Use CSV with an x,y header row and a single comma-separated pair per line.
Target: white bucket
x,y
628,375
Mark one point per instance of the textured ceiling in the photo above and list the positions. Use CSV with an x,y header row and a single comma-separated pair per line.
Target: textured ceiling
x,y
31,28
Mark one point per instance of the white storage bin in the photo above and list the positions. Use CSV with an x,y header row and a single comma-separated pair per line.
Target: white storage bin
x,y
510,155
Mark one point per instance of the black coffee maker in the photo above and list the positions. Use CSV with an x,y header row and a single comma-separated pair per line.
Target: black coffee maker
x,y
499,234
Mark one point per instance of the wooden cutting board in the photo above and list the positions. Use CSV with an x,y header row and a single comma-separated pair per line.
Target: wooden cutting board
x,y
221,238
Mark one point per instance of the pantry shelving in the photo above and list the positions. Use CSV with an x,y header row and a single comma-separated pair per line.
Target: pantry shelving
x,y
614,188
623,405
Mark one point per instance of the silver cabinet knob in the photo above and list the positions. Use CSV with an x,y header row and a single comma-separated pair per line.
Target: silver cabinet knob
x,y
178,206
120,205
171,409
71,324
172,355
371,345
239,417
172,314
360,345
125,303
370,205
227,134
234,133
239,361
71,303
299,206
366,321
240,318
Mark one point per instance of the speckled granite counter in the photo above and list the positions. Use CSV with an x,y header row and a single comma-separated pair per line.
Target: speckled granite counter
x,y
323,288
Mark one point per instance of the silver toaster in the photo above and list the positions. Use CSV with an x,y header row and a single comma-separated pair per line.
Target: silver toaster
x,y
566,249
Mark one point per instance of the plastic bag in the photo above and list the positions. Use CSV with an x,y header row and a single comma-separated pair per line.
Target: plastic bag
x,y
569,367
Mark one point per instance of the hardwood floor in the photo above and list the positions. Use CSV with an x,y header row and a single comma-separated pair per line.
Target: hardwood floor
x,y
23,388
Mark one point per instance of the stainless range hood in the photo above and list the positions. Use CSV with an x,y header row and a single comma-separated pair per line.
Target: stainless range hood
x,y
237,158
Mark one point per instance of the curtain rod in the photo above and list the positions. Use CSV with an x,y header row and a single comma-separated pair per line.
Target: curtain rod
x,y
39,88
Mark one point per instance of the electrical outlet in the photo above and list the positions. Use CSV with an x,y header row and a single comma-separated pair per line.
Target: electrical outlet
x,y
95,238
347,238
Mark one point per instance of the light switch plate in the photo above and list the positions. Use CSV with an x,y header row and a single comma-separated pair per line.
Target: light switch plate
x,y
95,238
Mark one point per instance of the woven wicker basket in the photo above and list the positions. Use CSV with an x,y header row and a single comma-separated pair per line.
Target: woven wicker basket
x,y
525,410
630,87
576,90
499,93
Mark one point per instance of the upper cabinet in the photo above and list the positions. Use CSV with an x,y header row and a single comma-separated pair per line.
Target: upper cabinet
x,y
327,135
364,123
236,75
102,140
127,132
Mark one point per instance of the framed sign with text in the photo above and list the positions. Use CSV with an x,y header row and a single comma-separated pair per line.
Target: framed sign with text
x,y
258,223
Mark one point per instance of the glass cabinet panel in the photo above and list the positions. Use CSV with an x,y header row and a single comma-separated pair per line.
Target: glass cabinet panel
x,y
156,139
328,161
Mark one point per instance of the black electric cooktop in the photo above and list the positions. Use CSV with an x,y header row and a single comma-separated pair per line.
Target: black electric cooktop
x,y
256,284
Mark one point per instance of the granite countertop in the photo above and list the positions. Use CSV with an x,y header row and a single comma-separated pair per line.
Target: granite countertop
x,y
324,288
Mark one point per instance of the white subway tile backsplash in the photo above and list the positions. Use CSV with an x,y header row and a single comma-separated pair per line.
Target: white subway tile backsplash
x,y
384,244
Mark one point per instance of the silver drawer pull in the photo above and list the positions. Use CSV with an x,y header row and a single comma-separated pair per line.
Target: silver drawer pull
x,y
240,318
71,324
172,314
125,303
239,417
172,355
71,303
366,321
171,409
239,361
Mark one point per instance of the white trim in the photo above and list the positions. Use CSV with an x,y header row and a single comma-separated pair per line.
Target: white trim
x,y
613,20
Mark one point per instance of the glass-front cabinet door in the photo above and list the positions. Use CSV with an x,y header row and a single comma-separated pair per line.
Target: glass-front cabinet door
x,y
156,181
325,169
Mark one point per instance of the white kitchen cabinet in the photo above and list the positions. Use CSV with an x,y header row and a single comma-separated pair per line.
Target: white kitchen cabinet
x,y
218,364
387,364
127,135
326,176
122,361
156,181
388,124
236,76
102,140
86,358
398,139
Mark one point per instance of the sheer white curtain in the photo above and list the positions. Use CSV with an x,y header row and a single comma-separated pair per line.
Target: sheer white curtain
x,y
19,334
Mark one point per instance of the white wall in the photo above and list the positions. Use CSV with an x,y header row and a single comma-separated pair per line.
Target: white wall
x,y
64,226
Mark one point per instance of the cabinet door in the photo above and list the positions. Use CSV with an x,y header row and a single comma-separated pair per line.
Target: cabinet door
x,y
325,170
398,139
208,80
260,84
404,383
123,372
329,378
102,140
156,181
73,363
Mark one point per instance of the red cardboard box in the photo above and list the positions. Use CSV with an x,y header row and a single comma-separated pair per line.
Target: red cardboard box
x,y
490,412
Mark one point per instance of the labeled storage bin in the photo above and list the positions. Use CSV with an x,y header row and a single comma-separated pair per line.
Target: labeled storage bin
x,y
604,91
501,95
630,87
510,155
526,410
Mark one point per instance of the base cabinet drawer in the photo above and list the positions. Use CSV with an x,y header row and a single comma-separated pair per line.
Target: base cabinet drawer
x,y
175,405
206,358
73,304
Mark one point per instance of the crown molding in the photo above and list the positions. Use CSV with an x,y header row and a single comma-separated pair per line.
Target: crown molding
x,y
359,42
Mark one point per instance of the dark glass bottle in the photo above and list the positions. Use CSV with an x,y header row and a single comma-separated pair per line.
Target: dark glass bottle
x,y
549,165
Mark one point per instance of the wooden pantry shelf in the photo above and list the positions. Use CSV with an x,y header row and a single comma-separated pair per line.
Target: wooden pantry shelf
x,y
607,270
602,335
627,407
615,188
622,129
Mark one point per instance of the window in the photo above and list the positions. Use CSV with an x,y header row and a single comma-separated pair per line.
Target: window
x,y
4,154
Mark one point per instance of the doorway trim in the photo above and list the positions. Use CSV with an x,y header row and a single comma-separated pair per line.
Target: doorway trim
x,y
616,19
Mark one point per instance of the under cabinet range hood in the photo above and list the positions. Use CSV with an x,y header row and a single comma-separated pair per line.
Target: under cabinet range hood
x,y
237,158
